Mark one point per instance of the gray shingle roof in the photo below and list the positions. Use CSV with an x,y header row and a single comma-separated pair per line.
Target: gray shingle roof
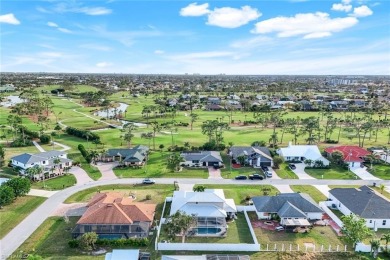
x,y
289,210
27,158
363,202
274,204
236,151
203,156
135,154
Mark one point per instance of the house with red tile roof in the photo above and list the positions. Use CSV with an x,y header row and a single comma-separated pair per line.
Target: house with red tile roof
x,y
353,155
111,215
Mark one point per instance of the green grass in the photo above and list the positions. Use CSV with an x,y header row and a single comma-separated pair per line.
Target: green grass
x,y
238,232
12,215
314,193
91,170
382,171
157,168
285,172
57,183
335,172
384,193
318,235
240,192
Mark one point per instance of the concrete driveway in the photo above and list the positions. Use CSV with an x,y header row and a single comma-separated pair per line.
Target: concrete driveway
x,y
363,174
281,188
106,170
214,173
81,176
302,175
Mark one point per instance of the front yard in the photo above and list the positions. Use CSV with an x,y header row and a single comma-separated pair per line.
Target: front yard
x,y
314,193
156,167
334,172
319,235
237,232
382,171
285,172
12,215
57,183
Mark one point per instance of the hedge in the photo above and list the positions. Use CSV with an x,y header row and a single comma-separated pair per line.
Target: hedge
x,y
82,134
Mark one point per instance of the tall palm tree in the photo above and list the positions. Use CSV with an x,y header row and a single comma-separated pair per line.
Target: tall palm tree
x,y
386,238
375,244
56,162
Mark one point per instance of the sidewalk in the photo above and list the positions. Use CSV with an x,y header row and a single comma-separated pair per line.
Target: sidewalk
x,y
38,146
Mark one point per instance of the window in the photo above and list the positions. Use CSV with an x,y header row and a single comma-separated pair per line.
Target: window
x,y
384,222
370,221
195,161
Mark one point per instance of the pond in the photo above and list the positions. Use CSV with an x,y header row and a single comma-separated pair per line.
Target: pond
x,y
11,101
112,112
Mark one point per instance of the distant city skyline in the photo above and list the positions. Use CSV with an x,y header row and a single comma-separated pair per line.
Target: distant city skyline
x,y
342,37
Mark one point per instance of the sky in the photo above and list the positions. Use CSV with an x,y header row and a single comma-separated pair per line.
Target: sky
x,y
295,37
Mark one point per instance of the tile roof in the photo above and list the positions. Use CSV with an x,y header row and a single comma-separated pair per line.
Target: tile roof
x,y
113,208
351,153
363,202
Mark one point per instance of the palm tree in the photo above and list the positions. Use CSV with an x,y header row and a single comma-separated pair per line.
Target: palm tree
x,y
386,238
56,162
156,128
87,135
375,244
194,117
382,188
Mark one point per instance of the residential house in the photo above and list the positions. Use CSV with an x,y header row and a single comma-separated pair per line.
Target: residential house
x,y
363,202
255,156
293,209
353,155
205,257
210,208
301,153
339,105
202,159
121,254
135,156
214,100
46,160
111,215
7,88
305,105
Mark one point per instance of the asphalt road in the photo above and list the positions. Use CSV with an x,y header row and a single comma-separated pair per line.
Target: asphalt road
x,y
22,231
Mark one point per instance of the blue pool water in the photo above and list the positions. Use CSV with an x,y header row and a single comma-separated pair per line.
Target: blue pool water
x,y
202,231
110,236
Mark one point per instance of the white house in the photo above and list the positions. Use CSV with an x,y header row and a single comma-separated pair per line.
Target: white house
x,y
294,209
302,153
363,202
210,207
43,159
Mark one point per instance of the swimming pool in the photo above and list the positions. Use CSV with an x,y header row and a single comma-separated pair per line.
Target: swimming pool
x,y
110,236
203,231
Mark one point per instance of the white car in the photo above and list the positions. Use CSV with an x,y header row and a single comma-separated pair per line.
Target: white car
x,y
148,181
279,228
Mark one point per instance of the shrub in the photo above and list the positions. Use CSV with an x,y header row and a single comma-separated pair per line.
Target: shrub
x,y
87,135
135,242
20,186
329,141
148,197
45,139
84,153
7,195
74,243
21,143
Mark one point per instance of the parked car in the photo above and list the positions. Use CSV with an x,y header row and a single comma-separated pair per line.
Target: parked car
x,y
292,166
264,168
148,181
240,177
256,176
216,166
279,228
268,174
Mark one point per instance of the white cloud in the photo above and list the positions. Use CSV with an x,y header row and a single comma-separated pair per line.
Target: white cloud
x,y
228,17
75,7
64,30
9,18
93,10
362,11
310,25
95,47
195,10
341,7
51,24
188,57
346,2
103,64
252,42
158,52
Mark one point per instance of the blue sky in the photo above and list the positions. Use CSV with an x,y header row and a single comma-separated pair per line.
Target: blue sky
x,y
212,37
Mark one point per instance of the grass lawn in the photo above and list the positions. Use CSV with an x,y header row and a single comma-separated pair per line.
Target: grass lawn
x,y
318,235
12,215
239,192
41,242
314,193
335,172
337,212
285,172
92,171
57,183
238,232
157,168
382,171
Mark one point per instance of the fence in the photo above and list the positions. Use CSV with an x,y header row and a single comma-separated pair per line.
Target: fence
x,y
307,248
324,205
208,247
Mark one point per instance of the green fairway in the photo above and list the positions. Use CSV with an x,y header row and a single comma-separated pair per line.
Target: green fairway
x,y
12,215
57,183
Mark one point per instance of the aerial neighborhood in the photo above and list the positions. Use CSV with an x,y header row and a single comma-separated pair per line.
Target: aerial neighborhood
x,y
194,167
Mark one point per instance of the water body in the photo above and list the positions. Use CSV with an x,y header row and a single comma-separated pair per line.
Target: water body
x,y
112,111
11,101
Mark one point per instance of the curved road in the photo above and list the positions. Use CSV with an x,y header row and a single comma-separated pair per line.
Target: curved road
x,y
22,231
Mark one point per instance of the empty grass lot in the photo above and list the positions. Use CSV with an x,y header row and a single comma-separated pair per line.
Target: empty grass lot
x,y
238,232
318,235
239,192
12,215
57,183
314,193
157,168
335,172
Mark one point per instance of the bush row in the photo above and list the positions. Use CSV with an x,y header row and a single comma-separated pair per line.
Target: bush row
x,y
84,153
82,134
136,242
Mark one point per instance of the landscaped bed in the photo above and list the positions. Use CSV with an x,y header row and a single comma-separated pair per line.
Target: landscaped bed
x,y
13,214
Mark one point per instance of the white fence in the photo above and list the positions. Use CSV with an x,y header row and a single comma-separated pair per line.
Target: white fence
x,y
208,247
324,205
245,208
307,248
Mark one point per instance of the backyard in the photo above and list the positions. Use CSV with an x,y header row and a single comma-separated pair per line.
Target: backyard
x,y
334,172
13,214
238,232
